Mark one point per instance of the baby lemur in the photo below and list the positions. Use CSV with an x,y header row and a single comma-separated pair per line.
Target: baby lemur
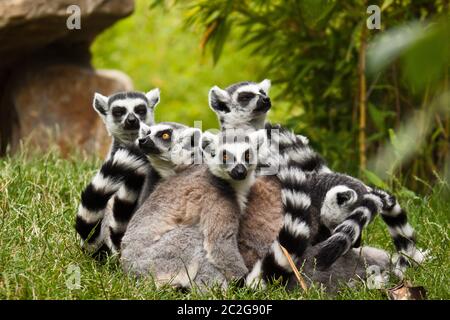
x,y
211,197
101,222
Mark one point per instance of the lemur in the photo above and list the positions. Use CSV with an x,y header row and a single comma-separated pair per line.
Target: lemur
x,y
339,204
99,222
182,247
176,245
210,197
244,105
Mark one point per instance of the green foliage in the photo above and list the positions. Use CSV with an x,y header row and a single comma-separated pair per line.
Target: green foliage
x,y
155,49
38,244
311,50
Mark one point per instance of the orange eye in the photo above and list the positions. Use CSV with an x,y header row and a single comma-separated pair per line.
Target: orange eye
x,y
165,136
224,157
247,156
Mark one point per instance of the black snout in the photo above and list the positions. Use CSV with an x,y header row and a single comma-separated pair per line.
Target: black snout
x,y
263,104
143,141
147,145
131,122
239,172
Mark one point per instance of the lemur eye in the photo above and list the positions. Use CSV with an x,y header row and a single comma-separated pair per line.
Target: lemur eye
x,y
118,111
165,136
140,110
247,155
224,157
246,96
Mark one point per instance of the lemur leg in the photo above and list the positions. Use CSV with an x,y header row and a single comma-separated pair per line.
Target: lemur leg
x,y
402,233
347,233
220,240
95,197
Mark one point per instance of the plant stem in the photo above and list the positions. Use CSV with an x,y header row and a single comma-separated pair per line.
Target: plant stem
x,y
362,99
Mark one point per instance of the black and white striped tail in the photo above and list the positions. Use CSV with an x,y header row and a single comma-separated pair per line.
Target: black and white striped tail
x,y
348,233
122,171
124,205
295,158
402,233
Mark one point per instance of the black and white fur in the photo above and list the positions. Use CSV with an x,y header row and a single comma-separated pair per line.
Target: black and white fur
x,y
99,226
244,105
340,207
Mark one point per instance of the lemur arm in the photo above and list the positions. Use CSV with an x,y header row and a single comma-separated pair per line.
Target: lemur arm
x,y
220,224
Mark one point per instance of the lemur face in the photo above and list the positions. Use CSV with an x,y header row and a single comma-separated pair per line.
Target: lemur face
x,y
232,155
338,203
124,112
240,103
168,142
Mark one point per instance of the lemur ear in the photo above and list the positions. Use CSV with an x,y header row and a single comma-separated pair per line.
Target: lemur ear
x,y
303,139
100,104
153,97
144,130
191,137
342,197
219,99
265,86
260,143
258,138
209,144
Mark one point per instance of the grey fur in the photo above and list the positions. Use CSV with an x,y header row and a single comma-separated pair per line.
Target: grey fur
x,y
205,197
142,251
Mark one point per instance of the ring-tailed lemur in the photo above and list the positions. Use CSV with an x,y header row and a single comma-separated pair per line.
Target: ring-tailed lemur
x,y
210,197
99,226
244,105
340,207
178,256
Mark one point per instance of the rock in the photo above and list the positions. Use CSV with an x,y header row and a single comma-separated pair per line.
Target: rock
x,y
46,78
30,25
55,104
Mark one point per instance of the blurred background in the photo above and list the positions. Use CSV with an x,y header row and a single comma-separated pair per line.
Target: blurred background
x,y
374,102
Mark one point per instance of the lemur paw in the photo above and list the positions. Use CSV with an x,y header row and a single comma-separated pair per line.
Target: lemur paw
x,y
330,251
253,279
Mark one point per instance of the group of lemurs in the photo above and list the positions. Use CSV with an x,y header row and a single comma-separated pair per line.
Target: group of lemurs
x,y
195,209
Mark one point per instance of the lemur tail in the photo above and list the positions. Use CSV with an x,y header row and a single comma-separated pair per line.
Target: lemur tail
x,y
125,172
295,158
402,233
346,234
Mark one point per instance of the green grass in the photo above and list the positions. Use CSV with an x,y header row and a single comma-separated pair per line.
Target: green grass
x,y
39,194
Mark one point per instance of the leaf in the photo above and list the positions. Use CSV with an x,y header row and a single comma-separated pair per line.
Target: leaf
x,y
375,180
386,4
391,44
217,38
424,63
315,11
405,291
